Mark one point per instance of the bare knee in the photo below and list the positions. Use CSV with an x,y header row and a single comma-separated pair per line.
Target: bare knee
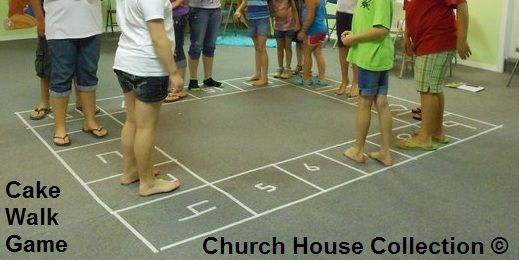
x,y
381,104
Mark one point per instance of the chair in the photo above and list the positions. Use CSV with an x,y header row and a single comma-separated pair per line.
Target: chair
x,y
228,9
331,17
110,12
513,71
397,34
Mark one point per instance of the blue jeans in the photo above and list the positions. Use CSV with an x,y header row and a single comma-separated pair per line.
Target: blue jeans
x,y
373,83
180,23
204,25
74,58
147,89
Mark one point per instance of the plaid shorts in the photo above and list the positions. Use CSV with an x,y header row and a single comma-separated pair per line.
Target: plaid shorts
x,y
430,71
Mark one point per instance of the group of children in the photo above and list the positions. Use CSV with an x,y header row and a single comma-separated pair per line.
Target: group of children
x,y
149,63
433,33
294,20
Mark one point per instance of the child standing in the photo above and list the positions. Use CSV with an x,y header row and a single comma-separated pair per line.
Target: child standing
x,y
344,18
180,15
313,32
286,22
145,69
436,33
299,44
372,50
259,29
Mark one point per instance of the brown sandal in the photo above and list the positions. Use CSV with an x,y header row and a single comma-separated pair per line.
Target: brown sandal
x,y
92,132
171,97
41,113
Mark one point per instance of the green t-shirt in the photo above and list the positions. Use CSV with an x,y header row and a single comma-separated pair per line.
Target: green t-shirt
x,y
376,55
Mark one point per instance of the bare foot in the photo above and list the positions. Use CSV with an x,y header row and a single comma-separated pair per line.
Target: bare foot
x,y
354,154
354,91
259,83
384,160
158,186
340,91
254,78
127,179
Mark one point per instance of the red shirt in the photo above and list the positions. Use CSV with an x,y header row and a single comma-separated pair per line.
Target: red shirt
x,y
431,24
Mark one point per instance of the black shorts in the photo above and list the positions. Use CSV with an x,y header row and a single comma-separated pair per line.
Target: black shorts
x,y
42,62
343,24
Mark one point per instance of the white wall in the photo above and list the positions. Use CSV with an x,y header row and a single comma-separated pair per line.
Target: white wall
x,y
512,39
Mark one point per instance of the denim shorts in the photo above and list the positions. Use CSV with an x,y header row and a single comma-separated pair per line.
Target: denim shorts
x,y
74,58
259,27
373,83
180,23
42,61
147,89
284,34
204,24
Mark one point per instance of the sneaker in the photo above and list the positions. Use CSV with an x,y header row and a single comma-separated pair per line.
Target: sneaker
x,y
193,85
299,81
279,73
319,82
211,83
287,73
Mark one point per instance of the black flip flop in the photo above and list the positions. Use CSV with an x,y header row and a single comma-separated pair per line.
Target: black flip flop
x,y
80,109
62,138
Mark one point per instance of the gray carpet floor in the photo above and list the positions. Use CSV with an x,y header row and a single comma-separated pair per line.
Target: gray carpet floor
x,y
258,164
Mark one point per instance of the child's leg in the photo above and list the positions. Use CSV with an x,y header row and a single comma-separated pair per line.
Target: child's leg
x,y
44,92
130,172
299,56
146,116
321,65
43,106
281,53
59,108
354,90
260,47
438,132
430,113
345,81
257,71
288,52
307,57
385,122
423,139
356,152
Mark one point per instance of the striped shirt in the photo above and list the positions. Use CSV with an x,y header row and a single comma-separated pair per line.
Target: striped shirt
x,y
257,9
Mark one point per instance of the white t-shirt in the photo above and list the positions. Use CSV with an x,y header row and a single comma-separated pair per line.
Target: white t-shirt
x,y
206,4
346,6
67,19
135,53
